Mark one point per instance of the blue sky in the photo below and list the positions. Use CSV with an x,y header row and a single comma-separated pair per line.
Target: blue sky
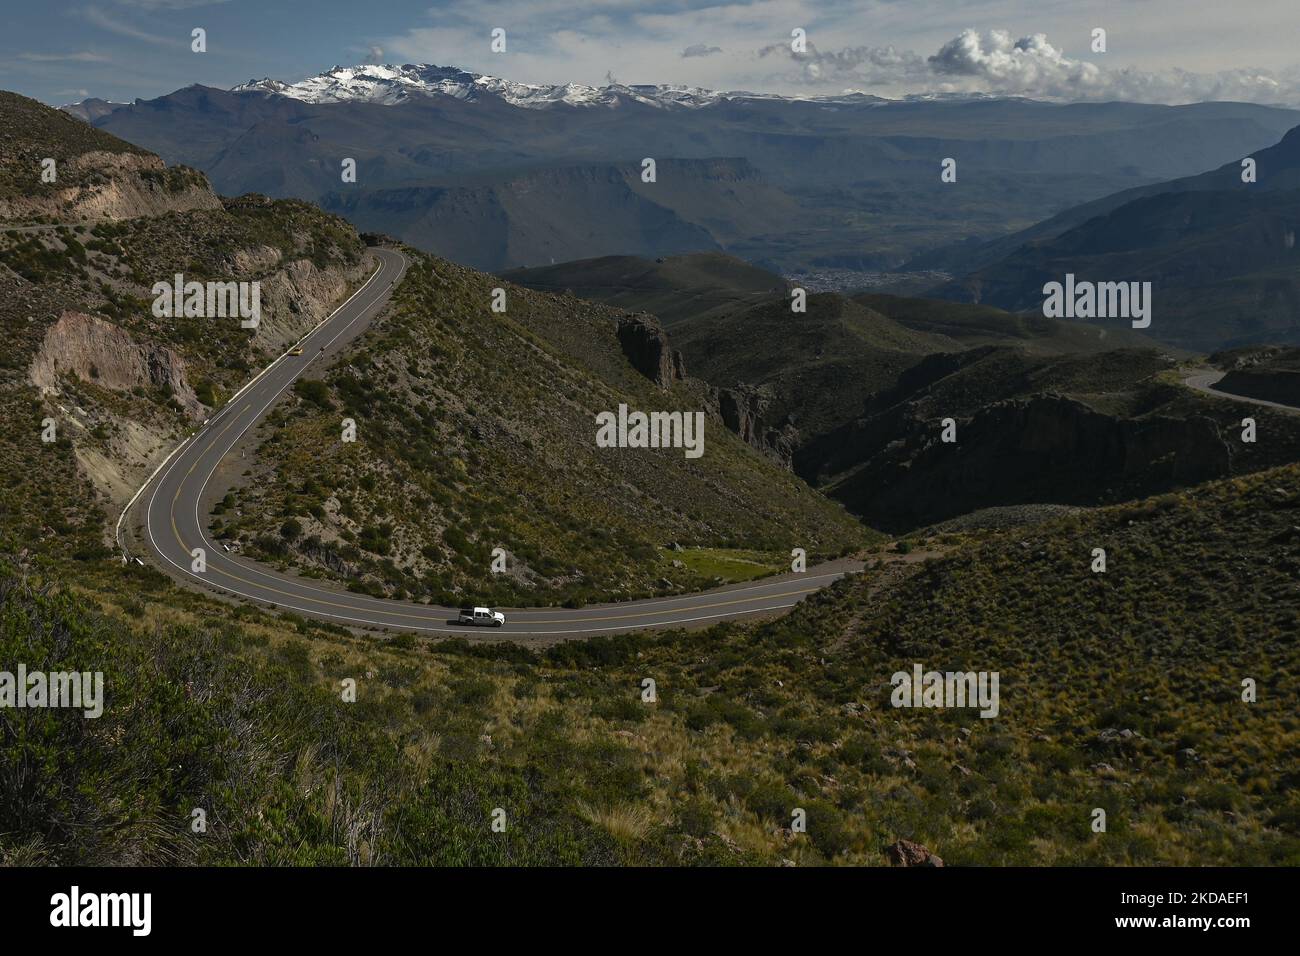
x,y
1157,50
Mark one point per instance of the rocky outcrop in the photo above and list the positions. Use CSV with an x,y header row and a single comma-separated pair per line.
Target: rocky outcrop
x,y
107,355
646,346
108,185
255,259
319,553
1183,450
1267,384
297,296
908,853
742,410
679,365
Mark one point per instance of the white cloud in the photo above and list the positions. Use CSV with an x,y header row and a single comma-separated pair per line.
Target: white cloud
x,y
167,4
739,44
114,24
81,56
1032,66
859,66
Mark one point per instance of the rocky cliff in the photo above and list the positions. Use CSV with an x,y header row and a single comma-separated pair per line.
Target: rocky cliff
x,y
104,354
106,185
1271,374
742,409
647,348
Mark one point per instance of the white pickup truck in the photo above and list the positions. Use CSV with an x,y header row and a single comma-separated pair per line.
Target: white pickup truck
x,y
483,616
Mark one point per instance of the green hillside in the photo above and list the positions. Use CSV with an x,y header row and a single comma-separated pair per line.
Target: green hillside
x,y
820,366
1198,596
30,132
476,430
975,325
1119,691
672,288
1047,411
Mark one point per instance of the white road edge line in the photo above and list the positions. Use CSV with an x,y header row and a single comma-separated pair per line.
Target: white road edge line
x,y
198,523
408,627
383,605
117,533
231,404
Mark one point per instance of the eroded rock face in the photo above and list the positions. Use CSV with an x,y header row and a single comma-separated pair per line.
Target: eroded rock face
x,y
107,355
1186,451
908,853
116,186
1270,385
647,348
256,259
297,296
326,556
742,410
679,365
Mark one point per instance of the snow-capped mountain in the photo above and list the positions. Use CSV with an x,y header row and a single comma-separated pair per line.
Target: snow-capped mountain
x,y
91,109
391,85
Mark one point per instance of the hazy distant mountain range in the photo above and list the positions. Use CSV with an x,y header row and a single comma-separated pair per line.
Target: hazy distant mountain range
x,y
476,433
390,85
1219,250
498,174
91,109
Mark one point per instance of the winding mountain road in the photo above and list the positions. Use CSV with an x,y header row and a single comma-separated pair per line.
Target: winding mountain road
x,y
1204,380
174,524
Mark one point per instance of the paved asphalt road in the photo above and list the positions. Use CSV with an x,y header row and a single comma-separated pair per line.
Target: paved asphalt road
x,y
174,524
1203,380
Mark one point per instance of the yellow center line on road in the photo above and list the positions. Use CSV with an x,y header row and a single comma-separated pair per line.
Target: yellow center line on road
x,y
430,617
384,613
427,617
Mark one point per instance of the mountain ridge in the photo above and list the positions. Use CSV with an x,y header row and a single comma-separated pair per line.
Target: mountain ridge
x,y
124,386
391,84
1218,253
859,178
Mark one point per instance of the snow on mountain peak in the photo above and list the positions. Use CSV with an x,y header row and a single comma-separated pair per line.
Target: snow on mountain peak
x,y
390,85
